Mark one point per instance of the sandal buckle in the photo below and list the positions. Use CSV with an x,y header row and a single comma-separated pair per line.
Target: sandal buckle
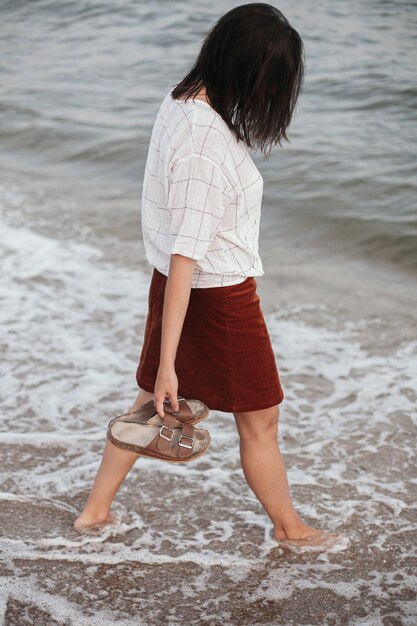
x,y
186,445
164,436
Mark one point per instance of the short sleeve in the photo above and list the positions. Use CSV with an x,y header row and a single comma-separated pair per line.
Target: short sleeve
x,y
197,198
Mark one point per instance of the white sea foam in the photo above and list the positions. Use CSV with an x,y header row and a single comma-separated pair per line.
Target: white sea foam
x,y
72,330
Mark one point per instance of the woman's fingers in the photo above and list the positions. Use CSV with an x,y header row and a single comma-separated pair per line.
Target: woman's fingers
x,y
166,388
174,401
172,398
159,402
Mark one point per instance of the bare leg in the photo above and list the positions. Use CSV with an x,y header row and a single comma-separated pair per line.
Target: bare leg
x,y
264,470
115,465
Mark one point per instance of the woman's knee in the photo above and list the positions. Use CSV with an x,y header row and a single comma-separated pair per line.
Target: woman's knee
x,y
258,425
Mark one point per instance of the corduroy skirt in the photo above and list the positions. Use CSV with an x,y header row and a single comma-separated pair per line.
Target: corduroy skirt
x,y
224,357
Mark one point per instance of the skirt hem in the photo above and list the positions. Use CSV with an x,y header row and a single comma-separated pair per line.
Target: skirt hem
x,y
224,408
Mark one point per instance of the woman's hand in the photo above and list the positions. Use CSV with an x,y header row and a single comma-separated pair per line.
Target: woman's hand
x,y
166,386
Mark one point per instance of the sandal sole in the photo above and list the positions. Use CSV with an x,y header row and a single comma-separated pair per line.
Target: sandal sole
x,y
143,452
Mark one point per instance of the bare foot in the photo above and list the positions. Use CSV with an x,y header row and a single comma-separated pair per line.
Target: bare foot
x,y
303,535
89,522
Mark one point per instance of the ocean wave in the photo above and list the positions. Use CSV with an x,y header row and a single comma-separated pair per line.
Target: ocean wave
x,y
72,331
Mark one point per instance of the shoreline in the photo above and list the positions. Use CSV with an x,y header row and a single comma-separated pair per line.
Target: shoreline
x,y
347,356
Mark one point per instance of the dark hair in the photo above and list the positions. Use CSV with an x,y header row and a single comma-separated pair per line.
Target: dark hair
x,y
251,65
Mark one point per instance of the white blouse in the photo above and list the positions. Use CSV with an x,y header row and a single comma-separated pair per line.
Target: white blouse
x,y
201,196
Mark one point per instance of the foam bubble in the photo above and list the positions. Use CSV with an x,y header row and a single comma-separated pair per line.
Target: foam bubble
x,y
73,328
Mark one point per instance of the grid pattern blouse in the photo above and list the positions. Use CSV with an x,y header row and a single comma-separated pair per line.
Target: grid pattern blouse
x,y
201,196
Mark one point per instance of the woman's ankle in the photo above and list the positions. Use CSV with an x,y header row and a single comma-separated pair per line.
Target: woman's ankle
x,y
288,522
99,514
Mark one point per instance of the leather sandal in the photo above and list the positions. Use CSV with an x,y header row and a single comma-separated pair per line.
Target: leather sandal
x,y
166,442
190,412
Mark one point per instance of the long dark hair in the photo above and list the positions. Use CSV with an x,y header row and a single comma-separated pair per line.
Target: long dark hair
x,y
252,67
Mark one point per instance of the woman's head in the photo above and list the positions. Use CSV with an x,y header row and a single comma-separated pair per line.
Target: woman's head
x,y
252,67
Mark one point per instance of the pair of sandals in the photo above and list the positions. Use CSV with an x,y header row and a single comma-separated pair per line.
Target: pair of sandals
x,y
172,438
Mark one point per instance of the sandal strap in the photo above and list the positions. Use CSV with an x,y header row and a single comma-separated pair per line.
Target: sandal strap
x,y
162,442
184,413
186,441
166,433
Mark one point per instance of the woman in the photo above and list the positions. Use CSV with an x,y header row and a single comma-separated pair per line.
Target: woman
x,y
205,335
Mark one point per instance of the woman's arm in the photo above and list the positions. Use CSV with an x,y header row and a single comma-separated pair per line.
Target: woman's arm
x,y
177,295
196,209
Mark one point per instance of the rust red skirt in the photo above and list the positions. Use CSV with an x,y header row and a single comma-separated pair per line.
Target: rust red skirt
x,y
224,357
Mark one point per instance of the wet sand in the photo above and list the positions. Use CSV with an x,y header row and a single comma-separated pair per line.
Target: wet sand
x,y
192,544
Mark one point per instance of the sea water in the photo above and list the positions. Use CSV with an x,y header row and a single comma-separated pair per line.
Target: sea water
x,y
81,85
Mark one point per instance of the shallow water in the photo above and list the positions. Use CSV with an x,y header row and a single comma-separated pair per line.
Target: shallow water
x,y
82,81
192,543
196,534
